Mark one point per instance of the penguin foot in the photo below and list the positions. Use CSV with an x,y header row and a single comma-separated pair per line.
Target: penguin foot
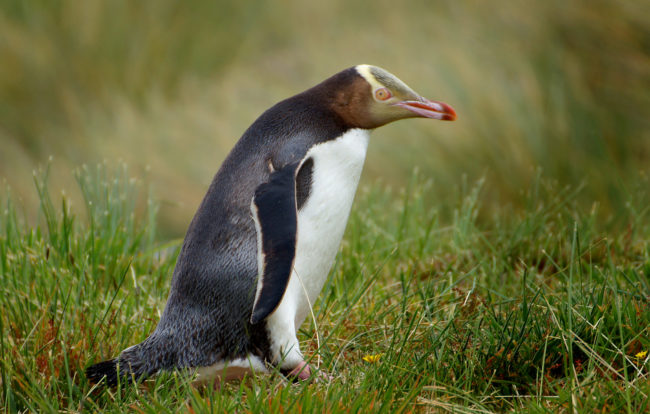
x,y
303,372
300,373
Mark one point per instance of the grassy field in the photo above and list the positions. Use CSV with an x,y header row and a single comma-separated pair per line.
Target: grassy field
x,y
497,263
543,311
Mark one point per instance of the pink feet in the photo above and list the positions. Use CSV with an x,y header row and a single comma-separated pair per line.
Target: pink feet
x,y
302,372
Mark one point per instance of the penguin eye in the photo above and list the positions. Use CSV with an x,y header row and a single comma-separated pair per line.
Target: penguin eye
x,y
382,94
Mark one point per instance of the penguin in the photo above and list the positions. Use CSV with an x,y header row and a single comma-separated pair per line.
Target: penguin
x,y
260,246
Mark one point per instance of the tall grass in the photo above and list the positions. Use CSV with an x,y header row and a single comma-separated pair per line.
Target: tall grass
x,y
543,312
170,86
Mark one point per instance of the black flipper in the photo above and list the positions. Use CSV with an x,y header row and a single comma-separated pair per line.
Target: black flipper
x,y
276,220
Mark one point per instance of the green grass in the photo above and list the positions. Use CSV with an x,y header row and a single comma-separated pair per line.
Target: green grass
x,y
540,310
517,280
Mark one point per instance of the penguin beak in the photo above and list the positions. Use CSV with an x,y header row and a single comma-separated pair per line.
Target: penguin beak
x,y
429,109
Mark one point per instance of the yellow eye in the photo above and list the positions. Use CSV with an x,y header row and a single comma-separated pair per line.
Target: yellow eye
x,y
382,94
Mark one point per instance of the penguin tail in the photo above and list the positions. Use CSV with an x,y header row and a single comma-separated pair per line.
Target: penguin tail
x,y
132,365
105,370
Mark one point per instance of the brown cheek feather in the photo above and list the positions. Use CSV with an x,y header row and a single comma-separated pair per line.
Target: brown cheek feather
x,y
352,105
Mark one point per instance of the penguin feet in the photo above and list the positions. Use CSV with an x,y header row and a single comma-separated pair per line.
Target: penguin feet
x,y
303,372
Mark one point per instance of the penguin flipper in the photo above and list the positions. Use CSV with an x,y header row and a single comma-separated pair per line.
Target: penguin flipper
x,y
276,221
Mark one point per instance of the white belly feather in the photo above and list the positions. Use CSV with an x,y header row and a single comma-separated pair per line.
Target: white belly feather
x,y
321,223
322,219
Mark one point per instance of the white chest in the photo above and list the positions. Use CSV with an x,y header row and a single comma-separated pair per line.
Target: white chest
x,y
322,219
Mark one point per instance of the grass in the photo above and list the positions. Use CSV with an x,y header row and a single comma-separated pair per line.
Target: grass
x,y
517,281
430,307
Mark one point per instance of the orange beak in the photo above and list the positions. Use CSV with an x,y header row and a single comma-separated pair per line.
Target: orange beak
x,y
430,109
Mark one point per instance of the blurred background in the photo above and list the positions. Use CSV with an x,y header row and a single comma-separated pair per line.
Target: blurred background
x,y
552,88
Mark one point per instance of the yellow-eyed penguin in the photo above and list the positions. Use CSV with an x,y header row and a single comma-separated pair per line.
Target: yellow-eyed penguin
x,y
258,251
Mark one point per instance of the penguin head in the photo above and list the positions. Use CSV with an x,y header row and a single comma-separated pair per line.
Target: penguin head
x,y
368,97
390,99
